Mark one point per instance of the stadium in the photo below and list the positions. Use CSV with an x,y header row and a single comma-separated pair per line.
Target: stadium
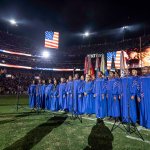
x,y
69,90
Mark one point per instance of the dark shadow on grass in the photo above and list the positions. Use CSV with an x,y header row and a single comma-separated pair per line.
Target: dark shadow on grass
x,y
34,136
100,137
6,121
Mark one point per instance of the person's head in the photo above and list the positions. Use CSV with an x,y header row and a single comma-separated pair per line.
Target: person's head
x,y
100,74
117,74
50,81
127,73
145,56
93,77
70,78
76,76
82,77
33,81
145,70
55,82
133,55
88,78
39,81
43,81
111,74
65,80
99,121
61,79
134,72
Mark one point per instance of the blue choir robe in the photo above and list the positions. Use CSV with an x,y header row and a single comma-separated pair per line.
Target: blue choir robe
x,y
38,96
129,88
93,101
88,89
100,102
48,96
43,87
55,99
109,97
134,91
75,95
116,102
62,96
81,102
32,95
69,92
145,101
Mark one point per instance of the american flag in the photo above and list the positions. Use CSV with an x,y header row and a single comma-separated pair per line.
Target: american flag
x,y
51,39
116,56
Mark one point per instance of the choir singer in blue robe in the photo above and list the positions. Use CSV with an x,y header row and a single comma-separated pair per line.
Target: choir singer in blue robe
x,y
38,94
88,95
55,99
48,94
32,95
145,98
113,105
81,102
62,95
76,83
43,87
69,92
99,91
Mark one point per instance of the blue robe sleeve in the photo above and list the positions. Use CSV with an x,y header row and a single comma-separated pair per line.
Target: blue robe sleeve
x,y
115,88
89,88
29,90
134,87
104,88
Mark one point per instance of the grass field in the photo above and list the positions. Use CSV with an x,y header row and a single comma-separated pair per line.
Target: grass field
x,y
24,130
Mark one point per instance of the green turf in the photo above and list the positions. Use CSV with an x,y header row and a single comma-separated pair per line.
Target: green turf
x,y
48,131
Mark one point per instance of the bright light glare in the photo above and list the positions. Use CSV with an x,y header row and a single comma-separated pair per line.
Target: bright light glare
x,y
45,54
86,34
125,27
13,22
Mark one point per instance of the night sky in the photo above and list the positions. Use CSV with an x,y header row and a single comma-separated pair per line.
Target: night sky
x,y
103,19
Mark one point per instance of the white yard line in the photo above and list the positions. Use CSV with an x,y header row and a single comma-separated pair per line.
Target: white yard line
x,y
138,139
142,128
130,137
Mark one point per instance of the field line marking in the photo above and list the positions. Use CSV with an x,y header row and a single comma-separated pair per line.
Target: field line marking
x,y
138,139
142,128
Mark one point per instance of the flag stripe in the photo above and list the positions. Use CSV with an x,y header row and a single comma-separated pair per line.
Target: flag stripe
x,y
51,39
116,56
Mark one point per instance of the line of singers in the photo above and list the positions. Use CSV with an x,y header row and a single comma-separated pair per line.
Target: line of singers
x,y
126,98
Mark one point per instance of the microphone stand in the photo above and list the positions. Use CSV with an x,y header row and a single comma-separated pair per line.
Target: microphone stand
x,y
130,125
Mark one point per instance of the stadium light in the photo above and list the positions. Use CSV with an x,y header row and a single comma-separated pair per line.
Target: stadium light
x,y
86,34
45,54
13,22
